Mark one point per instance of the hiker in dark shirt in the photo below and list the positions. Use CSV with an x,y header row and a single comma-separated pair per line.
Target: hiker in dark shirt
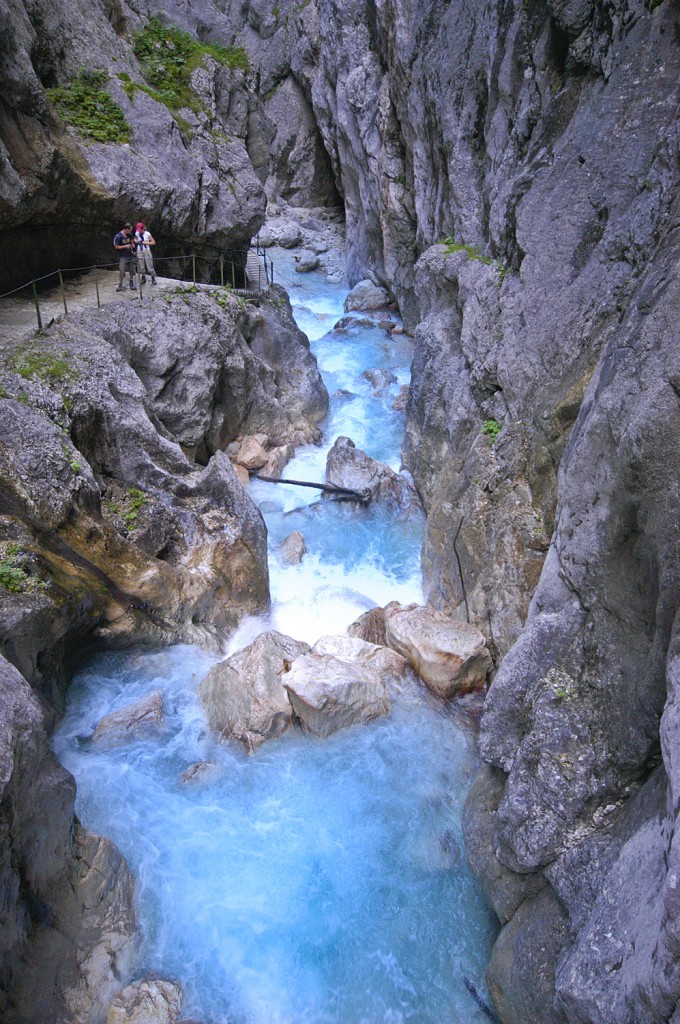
x,y
124,242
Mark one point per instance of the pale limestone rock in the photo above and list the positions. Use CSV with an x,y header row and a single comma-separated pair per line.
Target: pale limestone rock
x,y
242,474
370,626
136,721
451,657
366,295
277,460
251,454
340,683
148,1001
244,696
347,466
293,548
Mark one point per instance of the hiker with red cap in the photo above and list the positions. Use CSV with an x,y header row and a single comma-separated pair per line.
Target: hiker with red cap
x,y
144,240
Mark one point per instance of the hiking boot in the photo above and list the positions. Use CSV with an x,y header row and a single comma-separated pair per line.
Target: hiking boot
x,y
143,279
133,287
119,288
153,280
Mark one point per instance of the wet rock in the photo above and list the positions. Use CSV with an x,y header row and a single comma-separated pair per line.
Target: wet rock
x,y
347,466
53,871
244,695
449,656
366,295
293,548
251,454
379,379
139,721
340,683
201,771
401,400
306,262
151,1000
370,627
277,460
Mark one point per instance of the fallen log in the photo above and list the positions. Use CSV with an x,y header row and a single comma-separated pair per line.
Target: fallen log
x,y
341,493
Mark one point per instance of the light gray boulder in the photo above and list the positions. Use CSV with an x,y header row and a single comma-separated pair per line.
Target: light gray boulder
x,y
244,696
142,720
450,656
151,1000
342,682
347,466
366,295
293,548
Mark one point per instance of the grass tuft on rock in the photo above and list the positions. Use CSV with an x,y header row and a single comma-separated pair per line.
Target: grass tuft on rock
x,y
85,105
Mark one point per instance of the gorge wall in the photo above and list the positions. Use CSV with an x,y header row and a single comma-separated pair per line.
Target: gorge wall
x,y
509,172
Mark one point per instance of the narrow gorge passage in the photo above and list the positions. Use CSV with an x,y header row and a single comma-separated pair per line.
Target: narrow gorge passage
x,y
317,880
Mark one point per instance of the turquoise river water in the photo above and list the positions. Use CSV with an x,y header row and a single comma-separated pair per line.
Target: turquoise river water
x,y
315,881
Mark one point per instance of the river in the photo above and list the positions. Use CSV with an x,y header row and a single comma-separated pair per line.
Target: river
x,y
317,881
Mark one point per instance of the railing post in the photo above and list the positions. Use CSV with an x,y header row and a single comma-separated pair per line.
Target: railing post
x,y
96,288
37,306
259,275
222,271
193,268
63,291
233,275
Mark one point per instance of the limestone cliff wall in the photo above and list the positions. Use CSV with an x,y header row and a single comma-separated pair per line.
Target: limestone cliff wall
x,y
540,140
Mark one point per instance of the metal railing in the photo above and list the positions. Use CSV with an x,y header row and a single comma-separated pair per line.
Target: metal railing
x,y
246,272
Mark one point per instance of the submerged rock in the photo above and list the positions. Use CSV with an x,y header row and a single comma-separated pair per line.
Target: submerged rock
x,y
152,1000
347,466
201,771
244,695
340,683
138,721
450,656
379,379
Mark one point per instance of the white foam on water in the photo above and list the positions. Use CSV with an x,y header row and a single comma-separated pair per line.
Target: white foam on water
x,y
318,881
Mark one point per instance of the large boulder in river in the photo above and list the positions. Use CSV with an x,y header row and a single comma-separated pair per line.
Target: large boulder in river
x,y
244,696
451,657
366,295
141,720
341,682
347,466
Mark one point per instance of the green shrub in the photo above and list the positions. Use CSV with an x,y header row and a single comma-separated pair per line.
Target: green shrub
x,y
168,56
136,501
86,106
492,428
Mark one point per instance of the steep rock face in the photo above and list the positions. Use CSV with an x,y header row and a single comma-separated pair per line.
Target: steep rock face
x,y
177,171
536,143
175,549
67,892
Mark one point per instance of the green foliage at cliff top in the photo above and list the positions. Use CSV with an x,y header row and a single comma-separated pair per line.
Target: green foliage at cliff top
x,y
168,56
86,106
